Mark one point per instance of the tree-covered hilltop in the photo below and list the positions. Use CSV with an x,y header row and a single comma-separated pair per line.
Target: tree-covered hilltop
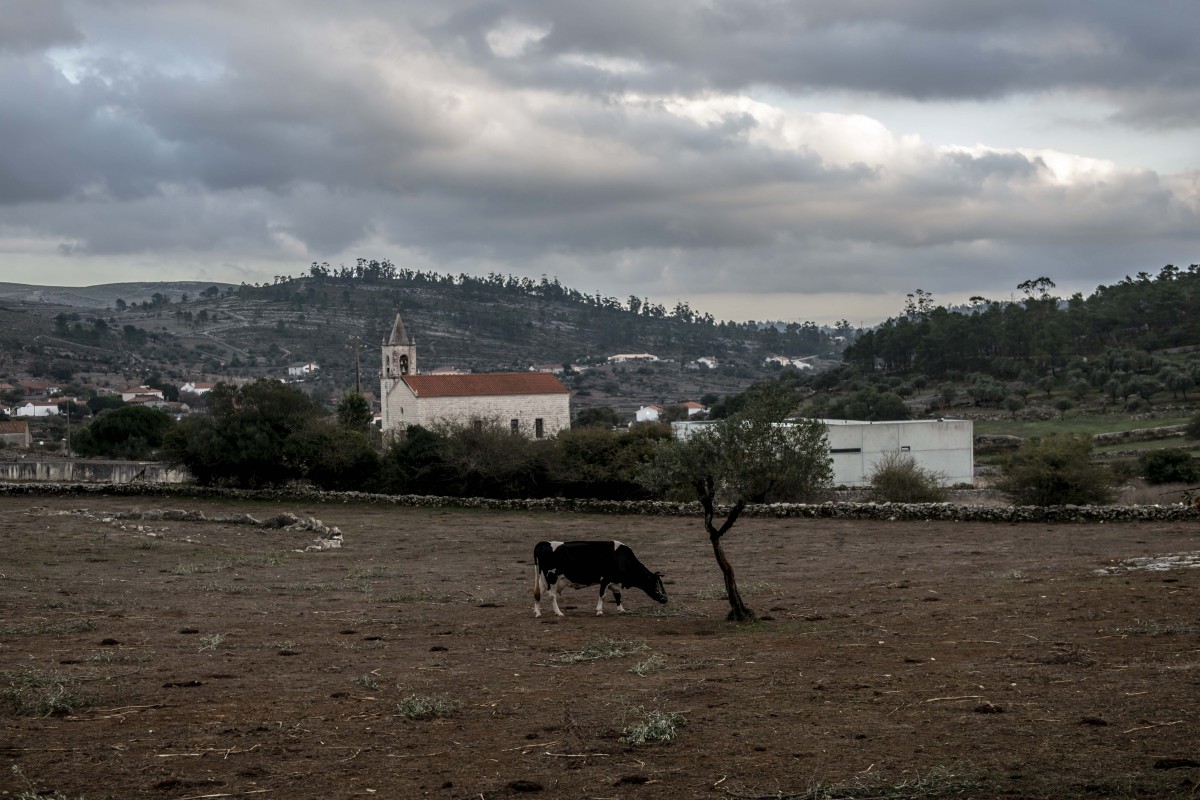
x,y
495,304
1038,335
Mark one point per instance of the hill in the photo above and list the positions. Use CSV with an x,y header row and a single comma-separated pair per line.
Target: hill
x,y
117,334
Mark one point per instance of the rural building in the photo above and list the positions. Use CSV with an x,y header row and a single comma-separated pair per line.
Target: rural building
x,y
35,386
535,404
197,387
135,392
945,446
40,408
799,362
302,368
693,408
15,433
648,414
621,358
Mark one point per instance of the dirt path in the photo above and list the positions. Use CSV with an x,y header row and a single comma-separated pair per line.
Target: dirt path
x,y
205,659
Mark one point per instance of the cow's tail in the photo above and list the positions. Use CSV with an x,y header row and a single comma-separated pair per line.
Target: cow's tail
x,y
537,581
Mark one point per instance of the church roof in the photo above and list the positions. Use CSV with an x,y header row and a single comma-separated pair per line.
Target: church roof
x,y
485,384
399,335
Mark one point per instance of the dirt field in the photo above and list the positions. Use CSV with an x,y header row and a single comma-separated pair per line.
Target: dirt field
x,y
205,660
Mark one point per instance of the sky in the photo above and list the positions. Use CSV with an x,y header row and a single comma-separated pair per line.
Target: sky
x,y
759,159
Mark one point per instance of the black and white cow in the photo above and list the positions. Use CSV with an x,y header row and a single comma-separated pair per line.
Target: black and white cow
x,y
579,564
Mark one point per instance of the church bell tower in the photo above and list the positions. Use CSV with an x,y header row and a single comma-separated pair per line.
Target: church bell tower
x,y
399,353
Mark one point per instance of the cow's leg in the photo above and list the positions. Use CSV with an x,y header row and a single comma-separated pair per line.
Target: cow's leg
x,y
616,590
554,598
600,599
539,585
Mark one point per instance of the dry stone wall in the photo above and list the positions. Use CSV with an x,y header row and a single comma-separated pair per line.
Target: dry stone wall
x,y
828,510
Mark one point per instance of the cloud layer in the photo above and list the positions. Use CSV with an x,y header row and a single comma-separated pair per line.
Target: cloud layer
x,y
627,147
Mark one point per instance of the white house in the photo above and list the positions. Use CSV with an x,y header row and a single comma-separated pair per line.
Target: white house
x,y
693,408
534,404
648,414
623,357
40,408
799,362
197,387
302,368
945,446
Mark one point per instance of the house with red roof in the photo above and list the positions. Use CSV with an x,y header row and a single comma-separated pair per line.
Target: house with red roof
x,y
534,404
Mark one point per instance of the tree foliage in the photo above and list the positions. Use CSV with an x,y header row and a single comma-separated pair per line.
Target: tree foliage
x,y
603,463
131,432
1169,466
1040,331
243,439
749,457
354,412
1056,470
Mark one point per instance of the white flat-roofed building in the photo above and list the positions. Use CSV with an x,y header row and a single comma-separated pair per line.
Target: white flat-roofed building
x,y
943,445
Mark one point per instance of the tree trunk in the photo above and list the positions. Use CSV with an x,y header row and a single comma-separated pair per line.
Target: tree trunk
x,y
738,610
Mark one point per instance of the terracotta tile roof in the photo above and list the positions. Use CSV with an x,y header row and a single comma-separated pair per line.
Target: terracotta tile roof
x,y
485,385
12,426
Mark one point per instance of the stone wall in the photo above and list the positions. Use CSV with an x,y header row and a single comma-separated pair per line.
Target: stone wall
x,y
80,470
829,510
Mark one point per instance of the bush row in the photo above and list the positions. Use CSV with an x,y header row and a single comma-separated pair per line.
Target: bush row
x,y
950,512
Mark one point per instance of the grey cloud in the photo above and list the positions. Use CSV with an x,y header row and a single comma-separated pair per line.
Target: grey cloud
x,y
61,139
935,49
263,138
33,25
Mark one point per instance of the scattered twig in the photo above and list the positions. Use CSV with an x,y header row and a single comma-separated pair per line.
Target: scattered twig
x,y
575,755
224,794
1155,725
961,697
228,751
126,708
529,745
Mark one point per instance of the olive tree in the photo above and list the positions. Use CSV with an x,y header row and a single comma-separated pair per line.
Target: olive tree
x,y
753,456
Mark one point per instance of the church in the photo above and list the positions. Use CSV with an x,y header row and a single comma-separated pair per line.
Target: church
x,y
534,404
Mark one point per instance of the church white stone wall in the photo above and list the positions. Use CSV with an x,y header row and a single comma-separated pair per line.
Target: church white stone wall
x,y
404,408
533,404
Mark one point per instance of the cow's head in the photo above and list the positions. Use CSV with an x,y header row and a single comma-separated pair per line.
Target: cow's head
x,y
658,592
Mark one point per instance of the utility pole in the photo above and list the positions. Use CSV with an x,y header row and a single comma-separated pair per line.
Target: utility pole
x,y
357,386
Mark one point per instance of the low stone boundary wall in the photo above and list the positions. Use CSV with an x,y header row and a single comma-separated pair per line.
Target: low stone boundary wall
x,y
77,470
1140,435
831,510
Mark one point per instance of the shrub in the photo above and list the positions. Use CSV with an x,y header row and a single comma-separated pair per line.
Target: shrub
x,y
130,432
897,478
1193,427
1169,466
1056,470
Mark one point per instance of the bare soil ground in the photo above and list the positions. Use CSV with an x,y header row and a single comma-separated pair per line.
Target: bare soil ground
x,y
205,660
